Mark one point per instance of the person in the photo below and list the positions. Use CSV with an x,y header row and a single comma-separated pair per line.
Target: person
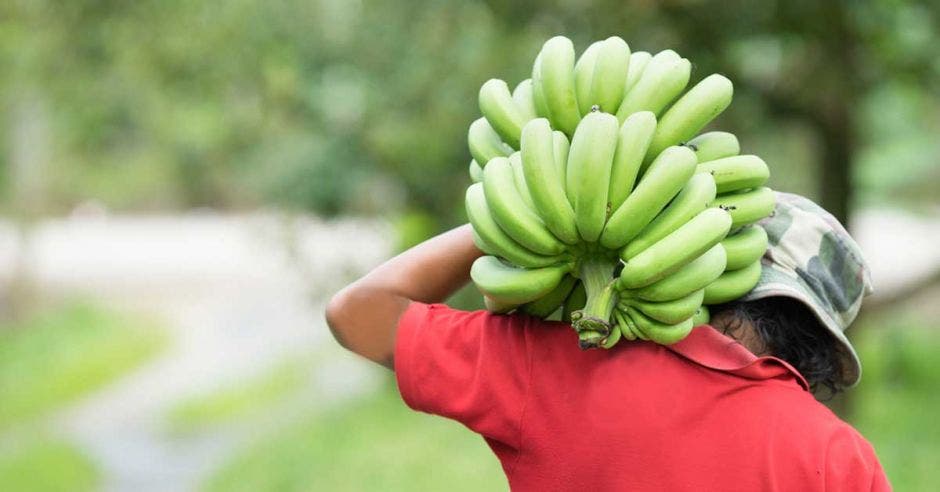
x,y
731,407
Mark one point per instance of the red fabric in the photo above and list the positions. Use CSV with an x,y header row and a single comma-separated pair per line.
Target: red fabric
x,y
704,414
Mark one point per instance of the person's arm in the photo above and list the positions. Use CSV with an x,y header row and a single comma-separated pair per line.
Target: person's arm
x,y
364,315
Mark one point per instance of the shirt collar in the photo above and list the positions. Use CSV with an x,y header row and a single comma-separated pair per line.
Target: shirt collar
x,y
710,348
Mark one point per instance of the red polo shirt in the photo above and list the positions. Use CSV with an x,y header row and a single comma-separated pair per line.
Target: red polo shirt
x,y
704,414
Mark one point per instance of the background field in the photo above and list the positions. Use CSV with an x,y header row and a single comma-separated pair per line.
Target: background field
x,y
184,183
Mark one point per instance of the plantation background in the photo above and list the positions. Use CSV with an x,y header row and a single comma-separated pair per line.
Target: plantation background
x,y
184,183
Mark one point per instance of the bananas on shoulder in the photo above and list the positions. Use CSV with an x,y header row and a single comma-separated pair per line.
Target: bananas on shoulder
x,y
596,194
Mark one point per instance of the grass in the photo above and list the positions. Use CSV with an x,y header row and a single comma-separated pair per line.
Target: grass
x,y
375,443
897,403
47,465
236,401
65,353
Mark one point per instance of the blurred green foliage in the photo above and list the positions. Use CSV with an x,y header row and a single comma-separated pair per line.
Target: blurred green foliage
x,y
896,403
64,353
47,465
340,106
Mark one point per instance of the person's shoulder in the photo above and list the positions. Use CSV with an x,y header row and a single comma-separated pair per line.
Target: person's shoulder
x,y
851,462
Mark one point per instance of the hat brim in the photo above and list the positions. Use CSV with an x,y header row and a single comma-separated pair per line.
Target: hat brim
x,y
774,283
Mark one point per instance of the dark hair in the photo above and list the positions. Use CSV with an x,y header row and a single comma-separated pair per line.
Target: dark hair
x,y
790,331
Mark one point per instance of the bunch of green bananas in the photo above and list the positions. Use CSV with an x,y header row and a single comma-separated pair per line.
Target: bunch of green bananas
x,y
592,197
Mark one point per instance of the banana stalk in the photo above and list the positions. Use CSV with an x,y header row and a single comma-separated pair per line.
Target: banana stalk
x,y
592,322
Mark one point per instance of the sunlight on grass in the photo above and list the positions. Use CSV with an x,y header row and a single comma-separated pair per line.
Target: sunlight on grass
x,y
65,353
374,443
236,401
47,465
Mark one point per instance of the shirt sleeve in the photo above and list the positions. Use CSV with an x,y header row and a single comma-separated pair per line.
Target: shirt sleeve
x,y
851,464
472,367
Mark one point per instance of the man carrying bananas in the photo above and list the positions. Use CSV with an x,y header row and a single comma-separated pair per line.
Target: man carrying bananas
x,y
730,407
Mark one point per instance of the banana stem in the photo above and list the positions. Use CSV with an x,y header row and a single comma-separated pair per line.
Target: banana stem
x,y
593,321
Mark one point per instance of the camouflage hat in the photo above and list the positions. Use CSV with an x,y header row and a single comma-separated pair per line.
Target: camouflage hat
x,y
812,259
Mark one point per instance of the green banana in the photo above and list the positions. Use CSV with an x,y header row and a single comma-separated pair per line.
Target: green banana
x,y
636,133
544,182
497,306
501,111
745,246
733,284
690,278
747,207
714,145
631,325
485,143
561,147
702,316
612,338
622,326
589,165
476,172
524,98
557,81
518,177
695,109
677,249
663,79
638,62
609,75
538,96
511,212
669,312
544,306
695,196
661,333
491,239
583,73
508,284
736,173
575,302
666,176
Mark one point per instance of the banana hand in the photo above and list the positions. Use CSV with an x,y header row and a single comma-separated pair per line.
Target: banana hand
x,y
485,144
747,207
501,111
511,212
745,246
696,275
491,239
695,196
677,249
636,133
663,79
557,83
732,285
665,177
714,145
589,165
509,284
736,173
691,113
544,182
